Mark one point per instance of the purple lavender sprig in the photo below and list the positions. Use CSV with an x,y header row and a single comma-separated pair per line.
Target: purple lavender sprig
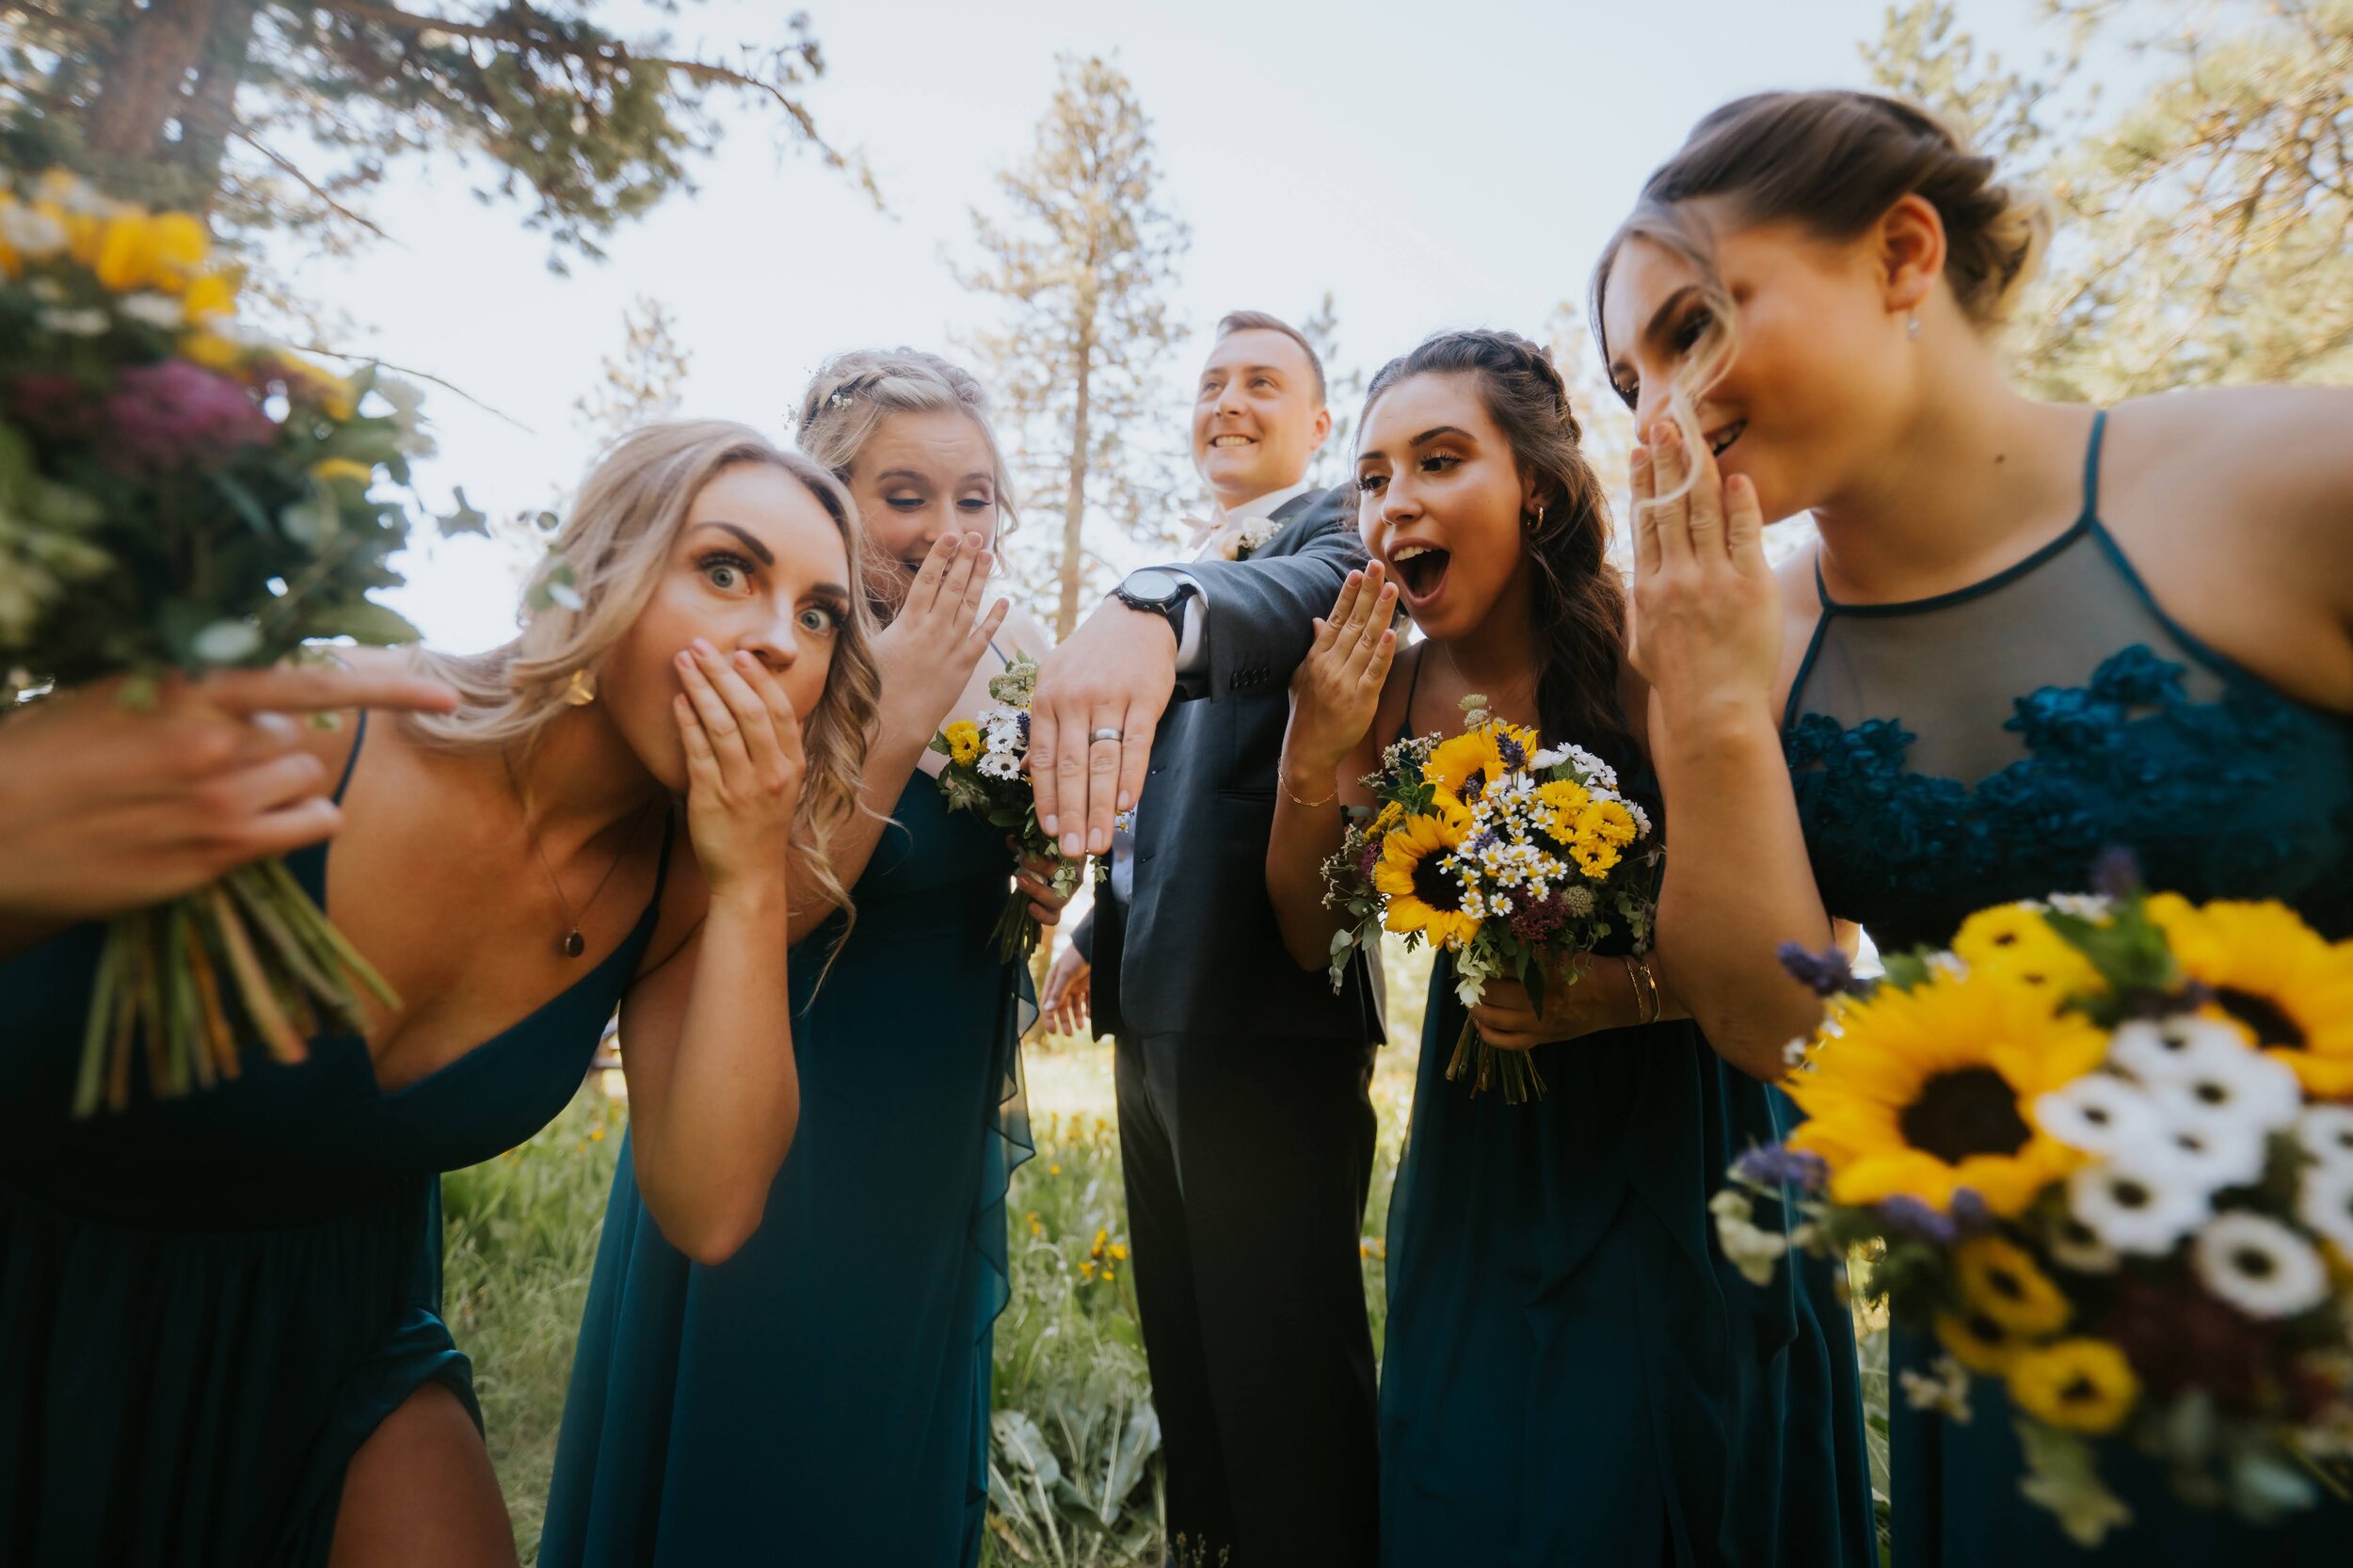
x,y
1779,1165
1825,973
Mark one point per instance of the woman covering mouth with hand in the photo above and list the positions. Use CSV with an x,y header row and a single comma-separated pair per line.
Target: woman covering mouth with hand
x,y
1572,1371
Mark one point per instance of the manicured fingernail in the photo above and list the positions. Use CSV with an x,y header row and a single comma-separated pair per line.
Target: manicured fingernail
x,y
1070,843
1047,823
1124,802
686,658
1097,842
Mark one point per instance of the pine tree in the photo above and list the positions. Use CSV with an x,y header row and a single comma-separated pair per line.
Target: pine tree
x,y
1082,263
2203,229
279,114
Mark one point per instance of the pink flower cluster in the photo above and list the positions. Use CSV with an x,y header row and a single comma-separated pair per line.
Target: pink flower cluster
x,y
174,415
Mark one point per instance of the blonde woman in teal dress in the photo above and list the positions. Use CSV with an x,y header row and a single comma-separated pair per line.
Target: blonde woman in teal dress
x,y
2027,633
1572,1373
824,1394
223,1312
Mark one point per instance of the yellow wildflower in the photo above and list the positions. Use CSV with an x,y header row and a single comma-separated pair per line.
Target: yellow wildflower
x,y
2083,1386
327,470
127,252
963,741
2015,939
211,350
209,294
180,244
1999,1280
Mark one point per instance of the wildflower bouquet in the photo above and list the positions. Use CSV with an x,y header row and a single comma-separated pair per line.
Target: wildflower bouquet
x,y
988,772
1513,857
2103,1152
178,496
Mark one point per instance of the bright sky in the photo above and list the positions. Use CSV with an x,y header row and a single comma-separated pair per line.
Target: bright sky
x,y
1456,164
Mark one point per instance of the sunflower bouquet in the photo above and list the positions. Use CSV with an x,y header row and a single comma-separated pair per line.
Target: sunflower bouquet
x,y
178,495
988,772
2102,1151
1512,857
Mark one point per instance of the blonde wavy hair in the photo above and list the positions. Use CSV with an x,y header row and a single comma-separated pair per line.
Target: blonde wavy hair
x,y
598,578
1834,161
845,403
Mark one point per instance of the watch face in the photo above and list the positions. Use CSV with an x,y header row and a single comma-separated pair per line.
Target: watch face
x,y
1150,587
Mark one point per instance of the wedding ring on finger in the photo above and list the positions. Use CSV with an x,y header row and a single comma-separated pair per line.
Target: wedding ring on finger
x,y
1108,733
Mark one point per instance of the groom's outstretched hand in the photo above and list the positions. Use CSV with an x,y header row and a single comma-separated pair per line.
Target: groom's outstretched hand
x,y
1114,678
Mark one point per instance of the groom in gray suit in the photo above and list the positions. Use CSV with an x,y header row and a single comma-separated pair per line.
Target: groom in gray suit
x,y
1246,1127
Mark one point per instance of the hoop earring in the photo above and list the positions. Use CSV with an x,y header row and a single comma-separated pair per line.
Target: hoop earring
x,y
581,690
1912,325
1536,526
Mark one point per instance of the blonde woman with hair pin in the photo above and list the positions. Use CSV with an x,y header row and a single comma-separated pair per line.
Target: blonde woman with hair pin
x,y
2027,633
823,1396
224,1310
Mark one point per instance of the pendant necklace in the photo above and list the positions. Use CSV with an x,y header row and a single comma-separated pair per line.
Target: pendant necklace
x,y
573,944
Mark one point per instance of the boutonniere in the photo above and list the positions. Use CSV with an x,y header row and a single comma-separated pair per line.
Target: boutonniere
x,y
1250,537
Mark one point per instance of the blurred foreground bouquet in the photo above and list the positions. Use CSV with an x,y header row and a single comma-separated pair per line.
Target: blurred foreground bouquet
x,y
178,495
2103,1152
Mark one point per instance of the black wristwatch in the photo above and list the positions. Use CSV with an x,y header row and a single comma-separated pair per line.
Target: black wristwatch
x,y
1159,592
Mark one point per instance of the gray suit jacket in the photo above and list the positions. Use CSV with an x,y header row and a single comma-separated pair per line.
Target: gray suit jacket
x,y
1196,950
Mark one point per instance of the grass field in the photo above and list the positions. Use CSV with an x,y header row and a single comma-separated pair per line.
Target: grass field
x,y
1075,1474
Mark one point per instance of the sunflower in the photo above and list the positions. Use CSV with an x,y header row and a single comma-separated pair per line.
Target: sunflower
x,y
2288,990
1423,896
963,742
2083,1386
2015,939
1923,1092
1465,765
1977,1342
1999,1281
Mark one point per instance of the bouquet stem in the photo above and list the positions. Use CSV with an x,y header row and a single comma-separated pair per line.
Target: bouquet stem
x,y
160,984
1486,1066
1017,933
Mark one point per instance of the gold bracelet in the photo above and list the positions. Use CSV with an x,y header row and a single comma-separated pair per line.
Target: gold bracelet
x,y
1646,1002
1286,783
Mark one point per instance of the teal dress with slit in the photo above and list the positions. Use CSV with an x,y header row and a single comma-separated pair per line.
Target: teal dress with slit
x,y
1985,746
1573,1372
209,1304
823,1396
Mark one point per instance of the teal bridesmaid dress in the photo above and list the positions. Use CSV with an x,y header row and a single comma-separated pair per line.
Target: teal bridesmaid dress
x,y
822,1397
1573,1373
210,1302
1985,746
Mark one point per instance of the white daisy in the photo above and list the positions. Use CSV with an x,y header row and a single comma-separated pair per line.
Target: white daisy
x,y
2326,1133
2260,1266
2324,1200
159,311
2075,1245
2085,907
2211,1077
2099,1114
1943,1388
1000,764
2137,1210
2158,1050
30,232
86,322
2211,1153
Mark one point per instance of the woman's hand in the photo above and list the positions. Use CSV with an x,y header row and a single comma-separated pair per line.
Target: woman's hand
x,y
1708,623
1337,688
1508,1020
1069,985
925,655
105,807
1034,875
743,769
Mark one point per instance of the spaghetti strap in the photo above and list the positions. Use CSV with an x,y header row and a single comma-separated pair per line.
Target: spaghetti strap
x,y
1413,683
359,738
2091,465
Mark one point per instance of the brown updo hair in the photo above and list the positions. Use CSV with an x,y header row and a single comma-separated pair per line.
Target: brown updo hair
x,y
1580,602
1834,161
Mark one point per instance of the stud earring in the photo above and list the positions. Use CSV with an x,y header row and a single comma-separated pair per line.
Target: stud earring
x,y
1912,325
581,690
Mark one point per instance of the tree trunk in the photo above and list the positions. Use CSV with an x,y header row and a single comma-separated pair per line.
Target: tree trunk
x,y
212,115
1074,502
141,88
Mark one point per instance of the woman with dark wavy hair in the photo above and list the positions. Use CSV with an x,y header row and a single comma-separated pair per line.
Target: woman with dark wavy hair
x,y
1572,1371
2027,632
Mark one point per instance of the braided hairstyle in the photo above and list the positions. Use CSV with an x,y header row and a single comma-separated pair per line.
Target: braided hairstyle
x,y
845,403
1580,602
1834,161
